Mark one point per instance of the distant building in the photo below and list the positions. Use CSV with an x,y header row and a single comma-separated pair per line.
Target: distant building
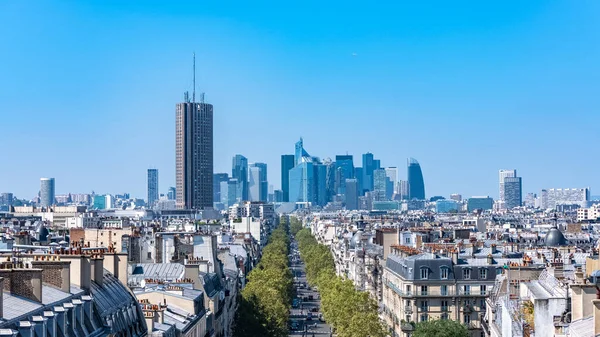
x,y
254,185
47,192
456,197
239,171
171,195
481,203
380,185
287,163
392,175
262,180
403,189
502,175
194,155
446,206
6,199
416,185
369,165
351,194
218,178
512,192
568,196
345,166
152,187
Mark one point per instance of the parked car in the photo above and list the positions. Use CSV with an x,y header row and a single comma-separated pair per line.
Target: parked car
x,y
315,309
309,316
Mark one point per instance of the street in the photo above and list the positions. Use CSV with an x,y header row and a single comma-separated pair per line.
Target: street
x,y
306,315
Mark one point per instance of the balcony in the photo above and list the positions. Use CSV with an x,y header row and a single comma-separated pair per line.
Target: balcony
x,y
408,309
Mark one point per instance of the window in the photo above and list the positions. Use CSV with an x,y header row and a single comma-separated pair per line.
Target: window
x,y
483,273
149,255
483,289
467,318
423,290
467,274
407,240
424,273
498,271
467,289
408,289
444,305
482,304
408,318
444,316
424,306
444,273
444,290
424,318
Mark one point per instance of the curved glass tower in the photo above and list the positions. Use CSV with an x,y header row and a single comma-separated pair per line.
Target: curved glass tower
x,y
416,186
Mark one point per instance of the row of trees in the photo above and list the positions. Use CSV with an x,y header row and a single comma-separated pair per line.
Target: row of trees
x,y
352,313
265,301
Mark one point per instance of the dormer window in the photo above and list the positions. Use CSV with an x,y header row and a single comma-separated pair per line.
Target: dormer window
x,y
467,274
483,273
424,273
444,273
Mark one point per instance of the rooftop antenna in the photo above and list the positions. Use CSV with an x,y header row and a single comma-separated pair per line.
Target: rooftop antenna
x,y
194,91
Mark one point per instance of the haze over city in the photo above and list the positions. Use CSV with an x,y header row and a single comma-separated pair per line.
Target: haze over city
x,y
467,88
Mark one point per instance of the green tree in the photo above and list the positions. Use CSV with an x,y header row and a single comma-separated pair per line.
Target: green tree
x,y
440,328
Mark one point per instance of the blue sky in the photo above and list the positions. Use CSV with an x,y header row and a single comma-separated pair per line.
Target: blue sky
x,y
88,88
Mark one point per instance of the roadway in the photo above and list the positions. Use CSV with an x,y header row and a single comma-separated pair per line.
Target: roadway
x,y
300,325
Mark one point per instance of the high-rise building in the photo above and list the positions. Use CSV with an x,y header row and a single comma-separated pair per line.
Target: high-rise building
x,y
368,168
456,197
287,163
302,183
194,155
254,185
416,185
47,192
172,194
359,176
512,192
320,184
380,185
300,153
233,192
218,178
152,187
392,174
479,203
351,194
239,171
503,174
264,184
345,167
403,189
565,196
6,199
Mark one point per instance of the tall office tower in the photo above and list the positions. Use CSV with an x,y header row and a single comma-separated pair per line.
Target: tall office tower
x,y
403,189
218,178
392,174
172,193
380,185
264,184
345,166
6,199
152,187
416,185
302,182
351,194
300,153
502,174
330,178
194,154
358,175
513,195
254,185
47,192
368,168
239,171
320,177
287,163
233,192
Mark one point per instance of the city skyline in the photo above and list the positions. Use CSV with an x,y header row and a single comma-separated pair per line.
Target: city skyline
x,y
424,82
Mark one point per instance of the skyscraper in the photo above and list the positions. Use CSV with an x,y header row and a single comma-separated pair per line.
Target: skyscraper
x,y
194,155
392,174
302,183
287,163
416,185
512,192
351,194
502,174
152,187
172,194
345,167
47,192
264,184
358,175
254,185
380,185
239,171
218,178
368,168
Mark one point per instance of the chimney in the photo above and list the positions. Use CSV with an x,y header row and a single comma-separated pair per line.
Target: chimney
x,y
39,325
60,319
193,273
97,270
149,317
494,248
455,256
27,282
80,270
490,259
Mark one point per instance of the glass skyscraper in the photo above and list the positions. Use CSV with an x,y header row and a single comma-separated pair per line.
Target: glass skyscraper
x,y
262,176
47,192
380,185
239,171
416,185
218,178
302,183
287,163
513,194
152,187
345,167
351,194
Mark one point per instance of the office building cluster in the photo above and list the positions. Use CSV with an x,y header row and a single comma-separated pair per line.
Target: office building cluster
x,y
311,182
247,182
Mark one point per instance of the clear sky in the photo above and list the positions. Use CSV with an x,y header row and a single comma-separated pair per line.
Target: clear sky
x,y
88,88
